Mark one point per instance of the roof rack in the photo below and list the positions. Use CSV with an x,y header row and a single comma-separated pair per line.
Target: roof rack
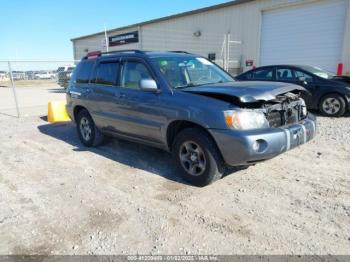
x,y
124,51
99,53
179,51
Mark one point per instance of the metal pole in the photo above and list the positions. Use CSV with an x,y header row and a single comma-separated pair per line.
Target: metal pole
x,y
106,40
223,52
228,51
13,89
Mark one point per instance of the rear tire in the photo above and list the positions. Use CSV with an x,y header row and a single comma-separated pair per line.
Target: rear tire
x,y
332,105
88,133
197,157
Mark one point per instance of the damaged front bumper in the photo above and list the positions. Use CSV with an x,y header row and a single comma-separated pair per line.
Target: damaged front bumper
x,y
244,147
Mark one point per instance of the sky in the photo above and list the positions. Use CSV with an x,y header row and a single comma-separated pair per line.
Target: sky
x,y
42,29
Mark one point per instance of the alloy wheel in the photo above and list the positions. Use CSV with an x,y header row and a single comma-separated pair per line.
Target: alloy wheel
x,y
192,158
331,106
85,128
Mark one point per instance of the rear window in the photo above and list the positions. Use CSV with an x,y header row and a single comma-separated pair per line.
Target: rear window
x,y
106,73
84,71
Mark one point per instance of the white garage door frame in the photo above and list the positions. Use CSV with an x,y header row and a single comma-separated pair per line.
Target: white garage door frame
x,y
333,53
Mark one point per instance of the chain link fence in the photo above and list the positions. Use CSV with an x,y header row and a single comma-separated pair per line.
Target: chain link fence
x,y
26,87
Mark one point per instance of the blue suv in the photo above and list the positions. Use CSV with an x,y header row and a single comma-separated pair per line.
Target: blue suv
x,y
186,105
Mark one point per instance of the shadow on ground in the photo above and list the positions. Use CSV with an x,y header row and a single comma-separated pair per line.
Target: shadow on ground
x,y
135,155
319,114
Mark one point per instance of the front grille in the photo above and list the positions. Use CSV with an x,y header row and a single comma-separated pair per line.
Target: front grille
x,y
286,114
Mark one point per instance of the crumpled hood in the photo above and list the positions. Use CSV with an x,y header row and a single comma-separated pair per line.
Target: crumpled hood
x,y
247,91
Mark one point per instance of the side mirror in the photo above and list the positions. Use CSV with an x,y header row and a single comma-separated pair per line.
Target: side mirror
x,y
302,79
148,85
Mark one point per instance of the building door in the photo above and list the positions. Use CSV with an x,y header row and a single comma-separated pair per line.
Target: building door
x,y
310,34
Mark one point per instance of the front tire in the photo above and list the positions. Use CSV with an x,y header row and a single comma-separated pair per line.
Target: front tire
x,y
197,157
332,105
88,133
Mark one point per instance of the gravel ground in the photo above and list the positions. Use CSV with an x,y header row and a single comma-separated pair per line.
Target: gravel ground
x,y
57,197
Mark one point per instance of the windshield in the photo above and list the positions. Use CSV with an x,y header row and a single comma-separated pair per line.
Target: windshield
x,y
186,71
319,72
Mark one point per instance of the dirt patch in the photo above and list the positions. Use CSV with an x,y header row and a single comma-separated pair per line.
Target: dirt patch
x,y
57,197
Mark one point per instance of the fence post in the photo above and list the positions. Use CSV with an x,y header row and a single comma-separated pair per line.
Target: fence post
x,y
13,89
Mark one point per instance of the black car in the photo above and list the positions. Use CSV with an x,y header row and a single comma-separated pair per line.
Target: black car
x,y
328,93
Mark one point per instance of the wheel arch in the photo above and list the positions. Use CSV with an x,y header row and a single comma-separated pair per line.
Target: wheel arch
x,y
176,126
330,93
76,111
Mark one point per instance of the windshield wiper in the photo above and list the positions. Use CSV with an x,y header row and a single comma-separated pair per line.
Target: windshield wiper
x,y
191,84
218,82
185,86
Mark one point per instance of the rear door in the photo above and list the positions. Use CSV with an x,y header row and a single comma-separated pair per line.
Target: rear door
x,y
81,88
104,94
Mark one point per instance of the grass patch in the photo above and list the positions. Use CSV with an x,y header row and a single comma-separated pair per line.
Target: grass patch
x,y
29,83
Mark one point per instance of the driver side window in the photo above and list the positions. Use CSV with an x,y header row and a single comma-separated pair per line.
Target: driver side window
x,y
299,74
285,74
132,73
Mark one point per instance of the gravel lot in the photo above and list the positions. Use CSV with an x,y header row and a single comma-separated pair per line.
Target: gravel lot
x,y
57,197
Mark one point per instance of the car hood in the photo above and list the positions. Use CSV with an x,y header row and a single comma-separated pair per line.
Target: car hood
x,y
247,92
341,79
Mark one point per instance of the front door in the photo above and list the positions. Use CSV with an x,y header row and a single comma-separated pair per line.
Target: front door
x,y
141,115
293,76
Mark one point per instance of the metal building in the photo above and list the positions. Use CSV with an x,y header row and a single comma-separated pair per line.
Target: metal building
x,y
243,33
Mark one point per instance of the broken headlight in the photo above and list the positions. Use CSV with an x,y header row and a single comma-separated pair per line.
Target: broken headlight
x,y
303,108
245,119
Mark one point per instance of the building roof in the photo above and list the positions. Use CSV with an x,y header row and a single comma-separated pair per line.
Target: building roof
x,y
196,11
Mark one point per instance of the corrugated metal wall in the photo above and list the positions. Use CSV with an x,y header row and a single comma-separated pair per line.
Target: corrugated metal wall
x,y
242,21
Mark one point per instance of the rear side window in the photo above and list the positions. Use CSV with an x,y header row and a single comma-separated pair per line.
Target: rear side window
x,y
84,71
263,74
247,76
106,73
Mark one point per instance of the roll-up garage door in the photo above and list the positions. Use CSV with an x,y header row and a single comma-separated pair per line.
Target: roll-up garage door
x,y
310,34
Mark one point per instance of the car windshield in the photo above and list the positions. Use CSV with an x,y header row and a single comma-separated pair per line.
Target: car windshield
x,y
319,72
188,71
